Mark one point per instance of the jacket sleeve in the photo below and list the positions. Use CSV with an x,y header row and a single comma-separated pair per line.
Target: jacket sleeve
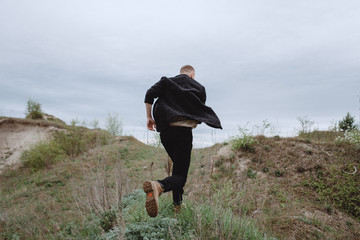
x,y
155,91
203,97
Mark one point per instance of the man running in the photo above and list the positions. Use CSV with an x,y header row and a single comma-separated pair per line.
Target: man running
x,y
180,107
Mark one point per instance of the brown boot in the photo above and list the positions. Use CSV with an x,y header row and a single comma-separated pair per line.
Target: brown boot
x,y
153,190
177,209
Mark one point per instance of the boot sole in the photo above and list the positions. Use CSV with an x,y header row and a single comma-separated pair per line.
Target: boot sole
x,y
151,203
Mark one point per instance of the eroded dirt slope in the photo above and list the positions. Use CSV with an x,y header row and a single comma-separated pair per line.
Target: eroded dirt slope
x,y
18,135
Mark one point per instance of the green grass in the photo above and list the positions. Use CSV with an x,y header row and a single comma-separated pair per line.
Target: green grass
x,y
195,221
222,201
64,144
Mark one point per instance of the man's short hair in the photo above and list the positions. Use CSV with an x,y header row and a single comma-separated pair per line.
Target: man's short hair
x,y
187,69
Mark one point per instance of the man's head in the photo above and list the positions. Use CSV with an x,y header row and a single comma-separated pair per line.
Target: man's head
x,y
188,70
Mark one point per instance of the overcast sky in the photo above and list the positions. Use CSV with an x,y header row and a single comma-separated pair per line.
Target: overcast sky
x,y
275,60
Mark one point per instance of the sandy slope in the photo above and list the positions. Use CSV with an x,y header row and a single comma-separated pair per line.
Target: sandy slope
x,y
17,135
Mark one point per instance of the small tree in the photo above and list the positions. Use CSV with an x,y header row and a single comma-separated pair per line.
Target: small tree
x,y
94,124
305,125
113,124
348,123
33,110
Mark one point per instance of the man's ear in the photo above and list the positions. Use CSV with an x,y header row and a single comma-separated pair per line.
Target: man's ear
x,y
192,75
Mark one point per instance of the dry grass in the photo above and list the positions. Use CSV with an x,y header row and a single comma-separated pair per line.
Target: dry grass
x,y
272,191
30,122
266,186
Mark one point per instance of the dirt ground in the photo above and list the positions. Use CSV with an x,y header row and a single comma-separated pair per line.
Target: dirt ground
x,y
16,136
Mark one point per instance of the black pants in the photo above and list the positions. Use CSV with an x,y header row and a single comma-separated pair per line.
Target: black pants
x,y
177,142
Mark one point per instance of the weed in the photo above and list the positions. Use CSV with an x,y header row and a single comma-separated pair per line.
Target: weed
x,y
328,208
351,136
250,173
305,125
266,148
123,152
265,129
218,163
33,110
308,151
244,141
256,160
113,124
349,224
300,169
277,138
107,219
279,173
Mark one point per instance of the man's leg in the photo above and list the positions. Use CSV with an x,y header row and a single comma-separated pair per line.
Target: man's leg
x,y
177,142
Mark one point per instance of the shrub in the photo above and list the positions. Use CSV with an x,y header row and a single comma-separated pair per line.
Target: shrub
x,y
305,125
244,141
347,123
65,143
279,173
114,125
33,110
107,220
350,136
42,155
250,173
72,141
76,140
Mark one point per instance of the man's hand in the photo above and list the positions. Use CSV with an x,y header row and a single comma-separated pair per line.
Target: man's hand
x,y
151,124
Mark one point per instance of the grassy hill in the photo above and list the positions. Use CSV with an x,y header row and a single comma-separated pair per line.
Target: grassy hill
x,y
273,188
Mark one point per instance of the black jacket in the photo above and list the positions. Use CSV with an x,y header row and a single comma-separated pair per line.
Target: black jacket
x,y
180,96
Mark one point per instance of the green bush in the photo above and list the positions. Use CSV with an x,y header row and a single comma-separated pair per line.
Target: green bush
x,y
71,143
33,110
279,173
250,173
42,155
76,140
107,219
244,141
114,125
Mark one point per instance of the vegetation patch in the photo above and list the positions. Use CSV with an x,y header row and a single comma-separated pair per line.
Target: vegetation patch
x,y
340,188
69,143
42,155
244,141
33,110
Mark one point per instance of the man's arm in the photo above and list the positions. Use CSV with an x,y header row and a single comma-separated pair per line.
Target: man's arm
x,y
154,92
150,122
